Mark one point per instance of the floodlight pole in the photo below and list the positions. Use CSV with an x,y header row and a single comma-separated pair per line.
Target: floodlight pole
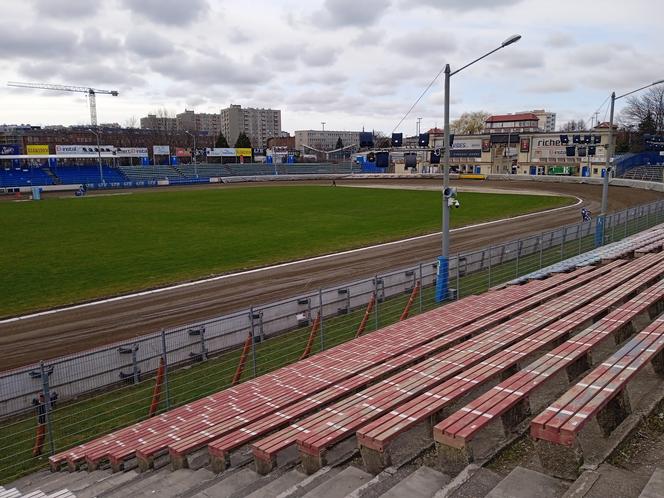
x,y
101,171
610,151
442,279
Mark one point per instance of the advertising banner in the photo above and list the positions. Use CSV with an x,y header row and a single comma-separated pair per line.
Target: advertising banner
x,y
553,148
220,152
161,150
259,151
182,152
466,147
486,145
85,150
9,150
37,150
131,152
525,145
243,152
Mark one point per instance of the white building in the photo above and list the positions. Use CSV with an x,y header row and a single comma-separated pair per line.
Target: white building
x,y
258,124
325,140
547,120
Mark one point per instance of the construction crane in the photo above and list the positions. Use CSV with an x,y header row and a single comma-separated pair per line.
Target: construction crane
x,y
92,93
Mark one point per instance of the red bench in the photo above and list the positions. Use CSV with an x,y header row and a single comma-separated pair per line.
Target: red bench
x,y
579,422
329,367
179,450
376,439
267,450
339,421
509,403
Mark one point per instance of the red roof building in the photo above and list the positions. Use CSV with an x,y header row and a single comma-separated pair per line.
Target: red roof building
x,y
512,123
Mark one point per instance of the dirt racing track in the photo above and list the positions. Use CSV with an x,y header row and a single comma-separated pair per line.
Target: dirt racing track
x,y
46,335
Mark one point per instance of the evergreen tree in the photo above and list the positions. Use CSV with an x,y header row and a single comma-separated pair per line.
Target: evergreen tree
x,y
340,143
221,141
243,141
647,124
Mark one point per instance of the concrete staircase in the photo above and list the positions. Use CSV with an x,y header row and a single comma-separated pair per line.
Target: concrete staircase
x,y
413,480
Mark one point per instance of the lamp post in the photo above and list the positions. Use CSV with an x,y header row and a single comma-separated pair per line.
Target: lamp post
x,y
101,171
193,156
443,262
610,147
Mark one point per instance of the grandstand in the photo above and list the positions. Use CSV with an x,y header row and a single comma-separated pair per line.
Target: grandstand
x,y
154,172
647,173
566,355
25,177
72,175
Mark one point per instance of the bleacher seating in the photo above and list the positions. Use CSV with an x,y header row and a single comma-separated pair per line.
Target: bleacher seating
x,y
72,175
645,173
483,361
24,177
150,173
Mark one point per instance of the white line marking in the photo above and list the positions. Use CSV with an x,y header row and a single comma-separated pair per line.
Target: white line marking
x,y
281,265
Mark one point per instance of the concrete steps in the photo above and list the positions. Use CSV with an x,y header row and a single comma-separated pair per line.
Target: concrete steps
x,y
340,485
526,483
425,482
655,486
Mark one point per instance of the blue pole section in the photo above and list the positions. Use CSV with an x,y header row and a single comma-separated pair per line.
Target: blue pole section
x,y
599,231
442,279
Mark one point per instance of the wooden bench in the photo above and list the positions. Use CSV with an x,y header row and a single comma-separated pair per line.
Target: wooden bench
x,y
420,414
339,421
228,432
267,450
509,402
579,422
330,366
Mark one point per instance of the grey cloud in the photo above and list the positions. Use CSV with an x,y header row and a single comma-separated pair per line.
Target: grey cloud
x,y
148,44
39,42
418,44
560,40
369,37
66,9
319,56
520,59
461,5
550,87
219,70
169,12
324,78
93,74
343,13
93,41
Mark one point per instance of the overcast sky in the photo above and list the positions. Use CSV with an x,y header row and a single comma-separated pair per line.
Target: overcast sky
x,y
350,63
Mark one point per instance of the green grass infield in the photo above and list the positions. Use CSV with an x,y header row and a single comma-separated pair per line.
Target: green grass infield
x,y
64,250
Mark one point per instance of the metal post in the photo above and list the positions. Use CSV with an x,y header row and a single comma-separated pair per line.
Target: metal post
x,y
562,245
541,244
47,406
458,277
253,341
134,361
489,267
320,319
376,303
599,229
443,262
203,350
518,252
421,288
164,357
626,220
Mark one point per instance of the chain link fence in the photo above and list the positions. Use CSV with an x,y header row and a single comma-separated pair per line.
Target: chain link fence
x,y
58,403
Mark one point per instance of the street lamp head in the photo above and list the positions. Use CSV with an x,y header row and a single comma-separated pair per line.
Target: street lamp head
x,y
511,39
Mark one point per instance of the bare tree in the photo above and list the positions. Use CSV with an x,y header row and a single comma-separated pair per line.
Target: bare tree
x,y
572,125
469,123
650,102
131,122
